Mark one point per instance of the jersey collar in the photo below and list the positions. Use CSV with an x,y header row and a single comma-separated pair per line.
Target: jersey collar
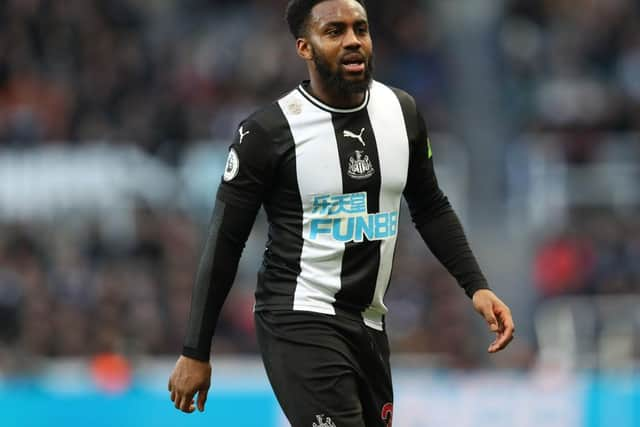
x,y
315,101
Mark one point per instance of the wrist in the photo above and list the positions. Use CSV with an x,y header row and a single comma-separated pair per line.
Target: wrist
x,y
471,290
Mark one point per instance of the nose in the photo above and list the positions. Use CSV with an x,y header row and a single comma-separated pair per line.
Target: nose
x,y
351,40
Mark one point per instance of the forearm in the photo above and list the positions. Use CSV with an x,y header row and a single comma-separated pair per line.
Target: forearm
x,y
436,220
444,235
228,231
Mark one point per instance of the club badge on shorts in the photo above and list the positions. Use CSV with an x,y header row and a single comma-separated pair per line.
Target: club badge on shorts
x,y
323,422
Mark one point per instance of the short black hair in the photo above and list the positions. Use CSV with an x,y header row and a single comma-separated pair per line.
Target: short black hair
x,y
298,12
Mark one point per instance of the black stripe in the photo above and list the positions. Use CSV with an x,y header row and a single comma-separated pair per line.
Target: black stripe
x,y
281,264
360,173
410,114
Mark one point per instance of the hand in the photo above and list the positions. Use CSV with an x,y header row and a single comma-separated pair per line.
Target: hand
x,y
498,317
188,377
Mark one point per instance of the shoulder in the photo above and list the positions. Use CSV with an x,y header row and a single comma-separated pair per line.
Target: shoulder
x,y
408,102
265,128
270,117
264,119
383,95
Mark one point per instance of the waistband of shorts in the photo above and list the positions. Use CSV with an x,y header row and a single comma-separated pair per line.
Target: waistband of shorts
x,y
340,311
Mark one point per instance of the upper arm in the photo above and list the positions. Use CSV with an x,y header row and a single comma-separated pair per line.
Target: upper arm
x,y
422,185
248,173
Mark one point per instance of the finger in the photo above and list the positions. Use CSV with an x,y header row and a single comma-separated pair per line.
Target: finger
x,y
500,343
176,398
191,406
169,384
505,336
505,320
202,399
490,317
493,346
504,316
173,395
187,404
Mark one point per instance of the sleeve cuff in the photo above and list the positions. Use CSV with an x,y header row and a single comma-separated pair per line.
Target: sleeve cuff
x,y
472,288
196,354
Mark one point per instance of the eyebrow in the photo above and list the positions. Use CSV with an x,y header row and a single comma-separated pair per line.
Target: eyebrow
x,y
342,23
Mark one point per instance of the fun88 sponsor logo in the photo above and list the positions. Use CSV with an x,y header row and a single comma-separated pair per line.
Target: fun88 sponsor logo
x,y
344,217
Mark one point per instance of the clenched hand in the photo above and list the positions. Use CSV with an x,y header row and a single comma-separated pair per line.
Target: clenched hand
x,y
190,376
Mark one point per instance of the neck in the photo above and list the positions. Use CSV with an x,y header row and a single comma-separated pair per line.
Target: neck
x,y
334,98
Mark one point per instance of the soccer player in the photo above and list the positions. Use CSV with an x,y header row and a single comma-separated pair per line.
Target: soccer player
x,y
329,161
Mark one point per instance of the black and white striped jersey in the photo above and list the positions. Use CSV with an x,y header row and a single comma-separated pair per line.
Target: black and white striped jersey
x,y
331,182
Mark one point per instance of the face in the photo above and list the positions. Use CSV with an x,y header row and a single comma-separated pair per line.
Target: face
x,y
339,44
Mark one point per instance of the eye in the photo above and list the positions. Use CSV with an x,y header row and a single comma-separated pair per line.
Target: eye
x,y
333,31
362,29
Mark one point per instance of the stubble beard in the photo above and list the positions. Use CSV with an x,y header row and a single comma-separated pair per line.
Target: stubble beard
x,y
336,82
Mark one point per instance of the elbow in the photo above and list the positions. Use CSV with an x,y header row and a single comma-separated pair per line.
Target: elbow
x,y
430,210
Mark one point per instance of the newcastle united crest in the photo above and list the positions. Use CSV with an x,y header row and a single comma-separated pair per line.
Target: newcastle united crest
x,y
360,166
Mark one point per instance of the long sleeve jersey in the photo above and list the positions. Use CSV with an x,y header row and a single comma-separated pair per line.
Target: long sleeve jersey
x,y
330,181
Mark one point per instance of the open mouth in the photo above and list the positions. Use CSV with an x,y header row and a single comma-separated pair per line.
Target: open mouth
x,y
353,63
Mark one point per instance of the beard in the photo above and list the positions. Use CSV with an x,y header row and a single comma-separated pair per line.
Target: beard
x,y
336,81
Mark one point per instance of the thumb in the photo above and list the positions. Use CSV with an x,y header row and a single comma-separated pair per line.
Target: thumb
x,y
491,319
202,399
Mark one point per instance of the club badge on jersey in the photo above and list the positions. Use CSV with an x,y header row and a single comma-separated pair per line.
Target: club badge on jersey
x,y
360,167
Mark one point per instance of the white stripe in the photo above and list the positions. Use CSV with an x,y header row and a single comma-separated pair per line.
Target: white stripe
x,y
389,127
318,172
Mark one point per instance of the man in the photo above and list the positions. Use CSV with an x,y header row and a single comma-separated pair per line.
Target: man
x,y
329,162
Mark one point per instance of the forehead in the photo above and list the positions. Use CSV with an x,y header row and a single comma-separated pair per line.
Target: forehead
x,y
337,11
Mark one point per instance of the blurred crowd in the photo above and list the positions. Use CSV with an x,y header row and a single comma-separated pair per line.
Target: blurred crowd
x,y
572,67
73,291
166,74
595,254
163,74
76,292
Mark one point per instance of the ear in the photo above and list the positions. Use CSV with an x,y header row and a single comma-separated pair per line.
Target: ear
x,y
303,47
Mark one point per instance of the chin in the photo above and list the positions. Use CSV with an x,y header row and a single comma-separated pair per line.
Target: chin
x,y
358,86
355,78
